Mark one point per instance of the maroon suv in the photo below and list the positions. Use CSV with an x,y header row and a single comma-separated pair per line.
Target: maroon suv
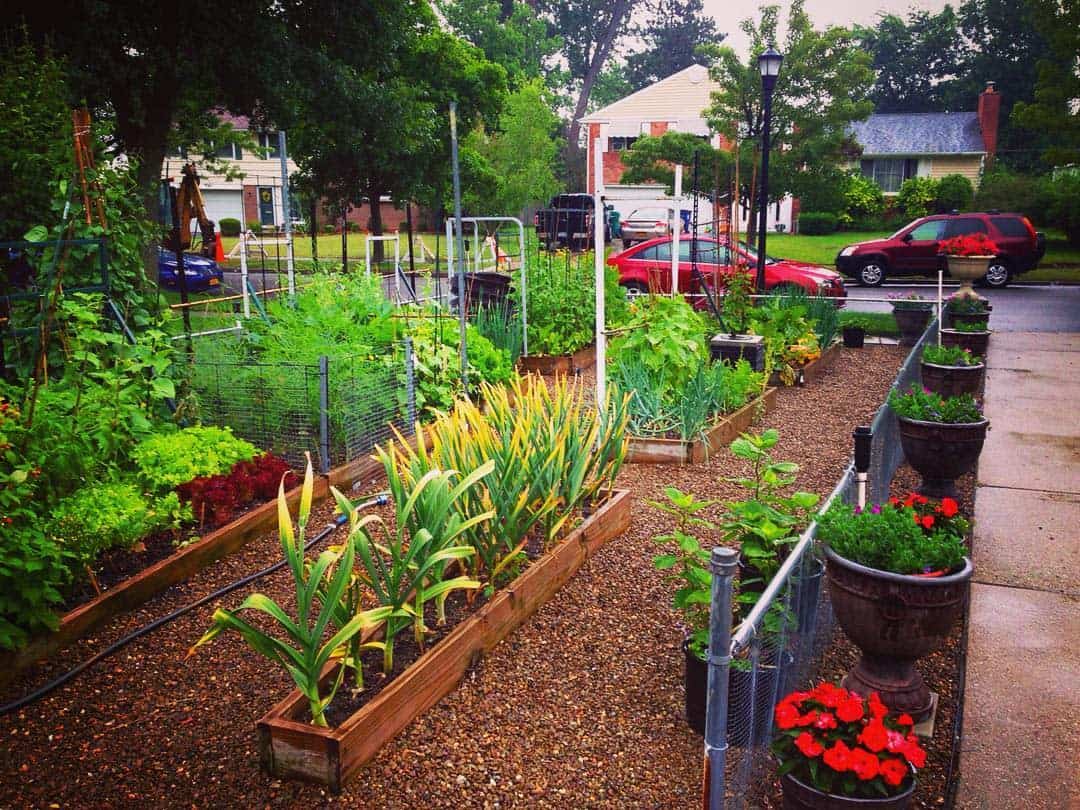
x,y
914,249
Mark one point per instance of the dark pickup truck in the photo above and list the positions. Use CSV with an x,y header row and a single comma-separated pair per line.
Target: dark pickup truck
x,y
566,222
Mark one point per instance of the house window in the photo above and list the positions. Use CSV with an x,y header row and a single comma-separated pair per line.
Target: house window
x,y
620,144
269,143
229,150
889,173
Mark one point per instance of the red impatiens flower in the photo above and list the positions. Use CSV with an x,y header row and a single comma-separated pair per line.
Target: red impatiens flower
x,y
893,771
874,736
838,757
915,754
877,708
928,521
896,741
850,709
797,698
949,507
864,764
829,695
808,745
827,721
808,719
905,720
786,716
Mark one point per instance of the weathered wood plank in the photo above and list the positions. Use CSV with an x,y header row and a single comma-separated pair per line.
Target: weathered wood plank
x,y
558,363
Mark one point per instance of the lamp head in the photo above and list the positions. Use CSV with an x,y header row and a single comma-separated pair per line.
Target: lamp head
x,y
769,66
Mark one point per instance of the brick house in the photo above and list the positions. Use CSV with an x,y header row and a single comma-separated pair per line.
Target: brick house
x,y
677,103
896,146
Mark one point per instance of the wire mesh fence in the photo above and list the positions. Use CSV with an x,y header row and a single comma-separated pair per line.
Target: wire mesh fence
x,y
779,644
337,409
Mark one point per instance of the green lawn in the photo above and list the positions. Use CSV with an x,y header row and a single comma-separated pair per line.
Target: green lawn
x,y
1061,262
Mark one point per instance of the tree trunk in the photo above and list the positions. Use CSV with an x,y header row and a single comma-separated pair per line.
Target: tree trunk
x,y
619,10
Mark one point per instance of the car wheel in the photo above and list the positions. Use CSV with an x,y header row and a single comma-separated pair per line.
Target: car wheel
x,y
872,273
997,275
635,290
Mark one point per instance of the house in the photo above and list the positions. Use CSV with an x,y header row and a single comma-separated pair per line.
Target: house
x,y
677,103
896,146
249,188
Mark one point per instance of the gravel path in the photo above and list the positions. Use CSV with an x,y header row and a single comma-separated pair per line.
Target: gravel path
x,y
580,707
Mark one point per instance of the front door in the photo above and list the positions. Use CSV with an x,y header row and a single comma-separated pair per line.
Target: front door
x,y
266,206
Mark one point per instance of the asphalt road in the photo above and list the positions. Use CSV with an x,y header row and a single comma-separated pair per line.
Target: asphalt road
x,y
1026,308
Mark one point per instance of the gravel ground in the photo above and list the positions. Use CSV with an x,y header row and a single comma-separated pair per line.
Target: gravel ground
x,y
580,707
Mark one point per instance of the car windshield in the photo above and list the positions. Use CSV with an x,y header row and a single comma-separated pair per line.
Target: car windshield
x,y
897,234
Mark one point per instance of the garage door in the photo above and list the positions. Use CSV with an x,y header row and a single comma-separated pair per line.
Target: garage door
x,y
222,203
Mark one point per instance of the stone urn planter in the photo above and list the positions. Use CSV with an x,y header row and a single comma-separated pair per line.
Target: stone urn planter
x,y
800,796
967,269
894,620
941,452
975,342
912,322
951,381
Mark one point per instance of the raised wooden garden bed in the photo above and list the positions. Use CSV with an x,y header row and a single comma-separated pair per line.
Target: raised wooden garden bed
x,y
559,363
187,561
289,747
644,450
815,368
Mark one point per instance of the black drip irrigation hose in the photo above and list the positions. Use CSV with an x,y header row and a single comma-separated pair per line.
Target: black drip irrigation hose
x,y
378,500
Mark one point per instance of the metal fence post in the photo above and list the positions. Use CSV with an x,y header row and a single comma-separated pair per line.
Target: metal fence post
x,y
723,563
410,385
324,414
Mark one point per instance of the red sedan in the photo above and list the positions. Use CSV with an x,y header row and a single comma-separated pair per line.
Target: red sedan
x,y
646,268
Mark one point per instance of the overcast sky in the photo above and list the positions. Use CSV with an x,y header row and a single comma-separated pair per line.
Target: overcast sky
x,y
729,13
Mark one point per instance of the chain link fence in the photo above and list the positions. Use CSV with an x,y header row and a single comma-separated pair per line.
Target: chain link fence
x,y
778,646
337,409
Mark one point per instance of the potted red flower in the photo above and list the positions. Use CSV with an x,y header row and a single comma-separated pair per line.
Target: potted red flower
x,y
839,750
968,257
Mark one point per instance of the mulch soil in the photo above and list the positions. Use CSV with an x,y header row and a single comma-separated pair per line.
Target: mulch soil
x,y
582,706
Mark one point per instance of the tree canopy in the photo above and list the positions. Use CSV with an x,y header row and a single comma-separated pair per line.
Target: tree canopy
x,y
671,32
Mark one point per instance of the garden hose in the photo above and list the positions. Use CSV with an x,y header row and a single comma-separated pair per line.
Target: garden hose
x,y
378,499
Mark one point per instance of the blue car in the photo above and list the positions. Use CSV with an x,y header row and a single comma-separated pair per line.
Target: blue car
x,y
201,274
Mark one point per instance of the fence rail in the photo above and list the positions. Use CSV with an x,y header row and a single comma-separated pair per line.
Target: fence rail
x,y
776,647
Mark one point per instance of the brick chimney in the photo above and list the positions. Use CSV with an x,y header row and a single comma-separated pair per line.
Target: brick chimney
x,y
989,111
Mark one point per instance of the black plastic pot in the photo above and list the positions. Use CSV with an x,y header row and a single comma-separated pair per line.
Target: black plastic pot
x,y
941,452
912,323
894,620
800,796
975,342
696,683
951,381
854,337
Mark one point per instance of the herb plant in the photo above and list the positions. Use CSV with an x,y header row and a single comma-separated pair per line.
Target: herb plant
x,y
977,326
949,356
925,406
735,307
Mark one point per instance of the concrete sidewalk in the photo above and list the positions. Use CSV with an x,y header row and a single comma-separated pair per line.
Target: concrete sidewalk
x,y
1022,701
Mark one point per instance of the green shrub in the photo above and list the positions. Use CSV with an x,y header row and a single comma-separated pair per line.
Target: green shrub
x,y
954,193
822,190
1004,190
354,227
814,223
167,460
917,196
1059,199
328,228
863,198
99,517
254,225
229,226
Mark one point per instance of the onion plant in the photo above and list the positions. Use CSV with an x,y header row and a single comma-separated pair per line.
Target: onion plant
x,y
300,648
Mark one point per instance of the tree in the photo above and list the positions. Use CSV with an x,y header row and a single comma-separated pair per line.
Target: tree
x,y
672,31
653,160
589,30
522,153
508,32
1053,109
822,87
917,61
610,86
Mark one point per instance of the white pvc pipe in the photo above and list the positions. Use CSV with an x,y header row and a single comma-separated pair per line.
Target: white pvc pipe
x,y
598,252
676,225
244,273
940,275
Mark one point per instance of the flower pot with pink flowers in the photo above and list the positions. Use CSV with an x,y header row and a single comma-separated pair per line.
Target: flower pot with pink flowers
x,y
839,750
898,581
912,312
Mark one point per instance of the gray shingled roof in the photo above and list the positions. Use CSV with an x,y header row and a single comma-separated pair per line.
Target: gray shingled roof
x,y
919,133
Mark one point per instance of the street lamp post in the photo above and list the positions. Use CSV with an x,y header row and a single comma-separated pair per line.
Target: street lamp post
x,y
769,66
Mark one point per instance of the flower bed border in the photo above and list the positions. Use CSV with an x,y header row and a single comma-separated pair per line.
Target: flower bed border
x,y
645,450
177,567
331,756
814,369
551,364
